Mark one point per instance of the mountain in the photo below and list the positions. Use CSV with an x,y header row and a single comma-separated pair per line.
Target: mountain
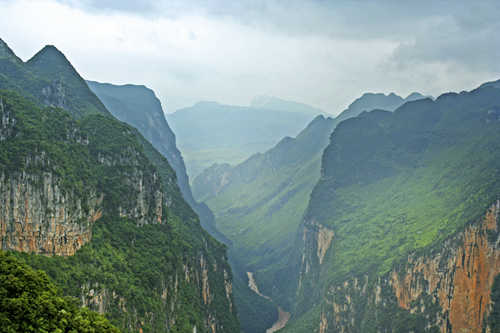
x,y
259,204
278,104
371,101
88,199
401,231
139,107
49,78
209,132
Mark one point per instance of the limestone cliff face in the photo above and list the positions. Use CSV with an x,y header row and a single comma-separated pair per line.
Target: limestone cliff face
x,y
317,240
43,212
36,215
447,289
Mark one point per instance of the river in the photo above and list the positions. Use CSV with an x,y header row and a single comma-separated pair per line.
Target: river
x,y
283,316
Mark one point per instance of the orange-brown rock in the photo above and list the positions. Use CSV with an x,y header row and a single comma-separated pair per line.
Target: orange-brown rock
x,y
37,216
462,284
446,288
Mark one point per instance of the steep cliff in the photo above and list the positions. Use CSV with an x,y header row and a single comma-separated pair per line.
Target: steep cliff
x,y
444,289
104,207
139,107
401,230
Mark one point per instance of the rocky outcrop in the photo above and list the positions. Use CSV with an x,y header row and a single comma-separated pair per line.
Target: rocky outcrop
x,y
36,215
448,288
7,122
459,279
317,240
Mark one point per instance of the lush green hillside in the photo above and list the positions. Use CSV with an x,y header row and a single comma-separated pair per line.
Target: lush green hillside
x,y
30,302
103,206
261,205
209,132
442,157
398,183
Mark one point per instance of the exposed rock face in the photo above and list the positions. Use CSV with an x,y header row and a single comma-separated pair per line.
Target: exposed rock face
x,y
139,107
317,240
41,212
447,289
37,216
459,279
7,122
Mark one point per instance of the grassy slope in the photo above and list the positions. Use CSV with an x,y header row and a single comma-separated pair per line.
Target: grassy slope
x,y
403,182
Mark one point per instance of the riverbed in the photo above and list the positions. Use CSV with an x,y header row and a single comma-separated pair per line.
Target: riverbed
x,y
283,316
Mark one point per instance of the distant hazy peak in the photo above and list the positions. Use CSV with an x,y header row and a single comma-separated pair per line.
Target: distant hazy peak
x,y
142,89
414,96
278,104
370,101
494,84
206,103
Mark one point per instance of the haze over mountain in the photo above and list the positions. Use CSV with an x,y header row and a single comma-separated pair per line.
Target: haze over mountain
x,y
282,167
278,104
371,101
259,204
209,132
323,53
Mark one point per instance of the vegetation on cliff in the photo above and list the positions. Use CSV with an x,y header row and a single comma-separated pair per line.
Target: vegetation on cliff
x,y
30,302
394,184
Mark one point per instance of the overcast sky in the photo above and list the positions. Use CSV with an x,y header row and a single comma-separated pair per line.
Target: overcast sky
x,y
323,53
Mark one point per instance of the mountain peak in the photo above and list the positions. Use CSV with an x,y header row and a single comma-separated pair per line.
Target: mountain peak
x,y
49,56
414,96
6,51
279,104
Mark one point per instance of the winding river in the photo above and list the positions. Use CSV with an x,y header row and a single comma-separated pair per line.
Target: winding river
x,y
283,316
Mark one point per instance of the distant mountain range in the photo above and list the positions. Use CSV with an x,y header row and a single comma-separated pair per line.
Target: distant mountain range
x,y
209,132
278,104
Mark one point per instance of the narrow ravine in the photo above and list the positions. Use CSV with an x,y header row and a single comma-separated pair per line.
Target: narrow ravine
x,y
283,316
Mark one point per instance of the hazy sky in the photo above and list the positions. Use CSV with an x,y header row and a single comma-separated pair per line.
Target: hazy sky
x,y
324,53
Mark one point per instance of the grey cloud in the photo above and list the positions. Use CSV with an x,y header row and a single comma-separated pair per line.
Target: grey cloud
x,y
471,41
327,52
